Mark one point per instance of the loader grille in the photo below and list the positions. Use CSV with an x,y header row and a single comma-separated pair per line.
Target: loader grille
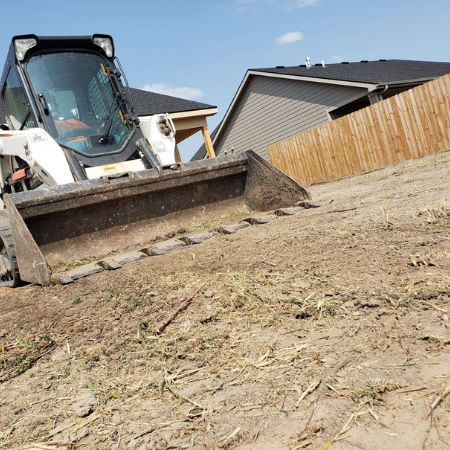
x,y
99,98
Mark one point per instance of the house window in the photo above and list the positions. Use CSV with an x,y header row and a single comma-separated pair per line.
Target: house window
x,y
16,103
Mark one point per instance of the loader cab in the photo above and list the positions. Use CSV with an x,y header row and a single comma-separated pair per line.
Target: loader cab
x,y
71,87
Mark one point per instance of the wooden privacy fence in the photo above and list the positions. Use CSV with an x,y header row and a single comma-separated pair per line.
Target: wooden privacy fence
x,y
409,125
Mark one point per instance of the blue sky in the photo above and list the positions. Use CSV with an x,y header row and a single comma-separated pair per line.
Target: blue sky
x,y
200,49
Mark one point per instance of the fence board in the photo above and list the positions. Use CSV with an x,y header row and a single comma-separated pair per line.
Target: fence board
x,y
410,125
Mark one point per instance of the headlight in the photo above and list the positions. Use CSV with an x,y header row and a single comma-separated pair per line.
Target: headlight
x,y
105,44
21,46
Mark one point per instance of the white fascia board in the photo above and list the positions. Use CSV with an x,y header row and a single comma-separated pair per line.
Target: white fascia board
x,y
368,86
198,112
186,114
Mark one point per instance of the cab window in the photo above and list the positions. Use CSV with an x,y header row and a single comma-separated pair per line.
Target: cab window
x,y
67,104
16,105
84,110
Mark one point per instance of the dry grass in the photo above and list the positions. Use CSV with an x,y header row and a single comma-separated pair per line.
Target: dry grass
x,y
18,357
289,343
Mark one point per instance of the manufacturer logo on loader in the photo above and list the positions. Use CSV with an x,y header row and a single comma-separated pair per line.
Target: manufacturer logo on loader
x,y
38,137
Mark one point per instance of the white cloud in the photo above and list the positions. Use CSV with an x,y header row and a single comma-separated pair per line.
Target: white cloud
x,y
289,5
188,93
301,3
337,59
290,37
243,5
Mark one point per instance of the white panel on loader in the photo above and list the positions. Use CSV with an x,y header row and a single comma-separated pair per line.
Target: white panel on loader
x,y
134,165
40,151
159,131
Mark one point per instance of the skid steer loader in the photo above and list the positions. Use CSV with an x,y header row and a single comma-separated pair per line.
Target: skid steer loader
x,y
81,175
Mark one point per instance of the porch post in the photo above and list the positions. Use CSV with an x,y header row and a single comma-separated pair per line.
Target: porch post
x,y
208,142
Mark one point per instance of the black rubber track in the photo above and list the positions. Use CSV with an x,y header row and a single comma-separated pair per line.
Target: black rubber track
x,y
6,242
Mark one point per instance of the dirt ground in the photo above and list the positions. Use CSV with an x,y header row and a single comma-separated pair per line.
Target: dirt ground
x,y
325,329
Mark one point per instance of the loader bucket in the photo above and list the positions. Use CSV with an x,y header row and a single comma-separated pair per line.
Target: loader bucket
x,y
95,217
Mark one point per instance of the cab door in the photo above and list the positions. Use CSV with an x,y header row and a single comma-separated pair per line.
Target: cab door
x,y
17,108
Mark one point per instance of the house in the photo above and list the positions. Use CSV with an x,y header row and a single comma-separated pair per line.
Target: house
x,y
188,116
274,104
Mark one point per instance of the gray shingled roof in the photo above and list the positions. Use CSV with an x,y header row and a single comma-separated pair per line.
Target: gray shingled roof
x,y
372,72
149,103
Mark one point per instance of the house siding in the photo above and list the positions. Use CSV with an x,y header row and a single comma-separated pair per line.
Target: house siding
x,y
273,109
